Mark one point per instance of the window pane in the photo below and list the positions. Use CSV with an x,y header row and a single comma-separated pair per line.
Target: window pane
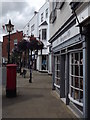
x,y
72,58
44,34
76,95
72,70
76,76
76,82
81,58
76,57
72,81
81,96
76,70
44,62
72,93
15,41
32,27
46,13
42,17
81,70
81,83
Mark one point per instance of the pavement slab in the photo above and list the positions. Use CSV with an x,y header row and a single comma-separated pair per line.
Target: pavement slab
x,y
35,100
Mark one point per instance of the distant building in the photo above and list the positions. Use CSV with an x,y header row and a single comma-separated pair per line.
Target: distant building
x,y
39,27
43,25
14,39
31,28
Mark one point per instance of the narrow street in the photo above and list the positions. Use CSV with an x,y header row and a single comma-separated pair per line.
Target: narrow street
x,y
34,100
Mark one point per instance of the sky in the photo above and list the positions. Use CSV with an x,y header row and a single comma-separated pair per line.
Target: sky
x,y
19,11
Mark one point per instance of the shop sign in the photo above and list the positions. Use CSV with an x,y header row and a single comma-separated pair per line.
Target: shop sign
x,y
67,35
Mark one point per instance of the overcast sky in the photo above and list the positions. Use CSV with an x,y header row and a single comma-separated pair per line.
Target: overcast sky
x,y
19,11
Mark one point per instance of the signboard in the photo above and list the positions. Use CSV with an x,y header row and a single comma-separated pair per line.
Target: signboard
x,y
66,36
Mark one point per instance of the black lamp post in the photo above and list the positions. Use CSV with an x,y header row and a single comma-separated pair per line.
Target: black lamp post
x,y
9,28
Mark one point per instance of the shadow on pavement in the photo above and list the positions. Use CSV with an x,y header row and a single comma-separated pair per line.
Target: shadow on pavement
x,y
18,99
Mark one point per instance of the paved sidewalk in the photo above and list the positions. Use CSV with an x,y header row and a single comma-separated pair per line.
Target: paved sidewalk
x,y
34,100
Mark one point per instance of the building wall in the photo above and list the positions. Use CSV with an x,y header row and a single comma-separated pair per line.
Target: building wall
x,y
0,64
67,47
62,15
18,35
34,22
45,51
39,25
43,10
27,30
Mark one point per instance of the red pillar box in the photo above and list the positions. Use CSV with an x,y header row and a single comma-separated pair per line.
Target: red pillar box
x,y
11,80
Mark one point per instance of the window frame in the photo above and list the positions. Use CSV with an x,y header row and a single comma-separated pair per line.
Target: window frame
x,y
47,13
44,34
32,27
42,17
76,76
15,41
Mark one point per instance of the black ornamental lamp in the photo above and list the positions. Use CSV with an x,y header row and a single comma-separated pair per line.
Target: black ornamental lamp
x,y
9,28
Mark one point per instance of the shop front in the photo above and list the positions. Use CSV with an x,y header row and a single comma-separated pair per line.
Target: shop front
x,y
67,51
70,42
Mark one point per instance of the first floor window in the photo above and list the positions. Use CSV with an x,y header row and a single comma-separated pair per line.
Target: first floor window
x,y
32,27
44,34
15,41
47,13
39,34
76,76
42,17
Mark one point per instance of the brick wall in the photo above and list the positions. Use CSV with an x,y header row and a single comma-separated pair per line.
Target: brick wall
x,y
18,35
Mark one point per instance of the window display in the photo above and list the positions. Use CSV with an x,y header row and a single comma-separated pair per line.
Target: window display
x,y
76,76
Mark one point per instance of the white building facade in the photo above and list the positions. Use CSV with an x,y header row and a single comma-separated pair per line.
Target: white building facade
x,y
39,27
44,60
70,50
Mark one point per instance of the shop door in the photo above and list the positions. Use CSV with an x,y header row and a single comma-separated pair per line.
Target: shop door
x,y
62,75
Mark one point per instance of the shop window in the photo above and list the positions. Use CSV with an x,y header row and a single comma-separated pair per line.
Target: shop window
x,y
57,71
44,62
76,77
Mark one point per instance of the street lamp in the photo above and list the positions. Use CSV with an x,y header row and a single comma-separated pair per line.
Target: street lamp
x,y
9,28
